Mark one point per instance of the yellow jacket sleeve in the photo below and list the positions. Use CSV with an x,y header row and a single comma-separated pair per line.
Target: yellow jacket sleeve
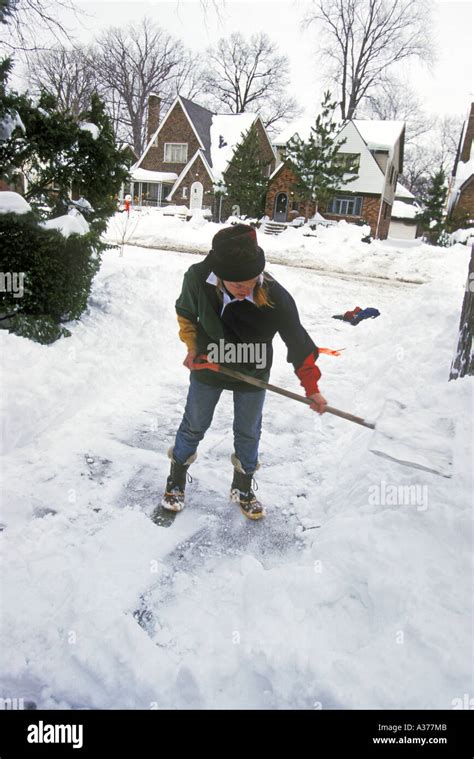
x,y
187,332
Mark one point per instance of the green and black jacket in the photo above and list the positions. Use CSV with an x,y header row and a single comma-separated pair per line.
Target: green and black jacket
x,y
199,310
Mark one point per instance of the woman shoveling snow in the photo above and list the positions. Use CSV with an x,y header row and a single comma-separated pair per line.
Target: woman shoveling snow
x,y
229,310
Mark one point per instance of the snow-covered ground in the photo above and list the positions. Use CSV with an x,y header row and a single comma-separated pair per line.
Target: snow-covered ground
x,y
337,248
343,597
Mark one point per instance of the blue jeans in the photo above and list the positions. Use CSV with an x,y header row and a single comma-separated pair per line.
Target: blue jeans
x,y
200,404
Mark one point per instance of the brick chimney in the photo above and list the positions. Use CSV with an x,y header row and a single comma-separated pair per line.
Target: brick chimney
x,y
154,103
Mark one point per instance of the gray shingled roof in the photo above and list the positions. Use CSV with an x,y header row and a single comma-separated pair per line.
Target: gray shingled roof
x,y
202,120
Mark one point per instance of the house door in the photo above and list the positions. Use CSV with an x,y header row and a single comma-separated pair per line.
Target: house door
x,y
195,200
281,206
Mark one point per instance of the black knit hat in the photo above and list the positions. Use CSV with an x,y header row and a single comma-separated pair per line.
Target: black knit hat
x,y
235,255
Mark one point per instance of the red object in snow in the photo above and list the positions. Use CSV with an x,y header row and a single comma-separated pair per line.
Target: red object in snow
x,y
349,315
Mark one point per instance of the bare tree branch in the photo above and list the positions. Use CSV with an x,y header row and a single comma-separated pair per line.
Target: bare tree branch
x,y
437,150
249,75
130,65
363,39
395,100
67,73
27,18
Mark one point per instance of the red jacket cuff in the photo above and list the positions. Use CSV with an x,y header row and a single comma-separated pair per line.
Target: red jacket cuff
x,y
308,374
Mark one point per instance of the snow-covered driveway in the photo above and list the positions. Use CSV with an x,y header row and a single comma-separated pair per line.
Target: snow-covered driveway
x,y
341,598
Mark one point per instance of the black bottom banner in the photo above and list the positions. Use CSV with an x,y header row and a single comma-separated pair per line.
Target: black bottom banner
x,y
29,733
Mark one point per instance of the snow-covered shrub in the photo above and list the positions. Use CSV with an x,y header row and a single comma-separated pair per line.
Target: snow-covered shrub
x,y
58,273
59,154
464,236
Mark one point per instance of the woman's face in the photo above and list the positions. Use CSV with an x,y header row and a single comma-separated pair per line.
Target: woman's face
x,y
241,290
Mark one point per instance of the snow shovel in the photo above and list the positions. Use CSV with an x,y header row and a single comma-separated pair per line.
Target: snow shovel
x,y
422,444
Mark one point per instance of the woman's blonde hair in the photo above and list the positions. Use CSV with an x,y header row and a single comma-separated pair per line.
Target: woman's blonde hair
x,y
260,293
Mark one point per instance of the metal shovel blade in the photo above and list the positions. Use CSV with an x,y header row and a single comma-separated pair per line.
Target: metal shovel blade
x,y
415,438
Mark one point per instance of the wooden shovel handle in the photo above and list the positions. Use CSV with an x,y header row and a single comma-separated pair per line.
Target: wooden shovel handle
x,y
274,389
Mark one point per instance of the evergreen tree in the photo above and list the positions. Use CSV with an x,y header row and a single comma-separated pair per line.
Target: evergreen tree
x,y
5,69
320,168
59,155
244,179
431,218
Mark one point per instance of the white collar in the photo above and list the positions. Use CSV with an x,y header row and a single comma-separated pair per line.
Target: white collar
x,y
212,280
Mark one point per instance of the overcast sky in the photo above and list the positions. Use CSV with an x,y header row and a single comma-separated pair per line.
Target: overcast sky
x,y
446,88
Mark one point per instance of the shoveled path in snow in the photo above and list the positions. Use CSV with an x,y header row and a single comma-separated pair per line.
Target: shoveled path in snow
x,y
106,610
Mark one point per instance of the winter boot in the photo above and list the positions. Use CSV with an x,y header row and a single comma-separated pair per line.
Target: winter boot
x,y
241,491
173,499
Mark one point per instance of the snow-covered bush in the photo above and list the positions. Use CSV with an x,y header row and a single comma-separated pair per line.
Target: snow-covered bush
x,y
464,236
58,155
57,273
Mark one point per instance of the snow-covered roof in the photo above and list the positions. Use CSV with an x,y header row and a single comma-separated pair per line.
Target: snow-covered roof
x,y
218,135
12,202
403,192
227,131
144,175
301,126
378,134
199,127
276,169
401,210
201,119
464,171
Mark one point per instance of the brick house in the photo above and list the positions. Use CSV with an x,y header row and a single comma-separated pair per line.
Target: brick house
x,y
188,154
460,202
376,147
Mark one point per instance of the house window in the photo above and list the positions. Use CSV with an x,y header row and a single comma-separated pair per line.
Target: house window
x,y
345,206
185,193
351,161
176,152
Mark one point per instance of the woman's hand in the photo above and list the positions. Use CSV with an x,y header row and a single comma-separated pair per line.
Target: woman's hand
x,y
189,360
319,403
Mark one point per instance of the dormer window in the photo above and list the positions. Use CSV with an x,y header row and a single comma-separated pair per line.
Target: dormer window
x,y
176,152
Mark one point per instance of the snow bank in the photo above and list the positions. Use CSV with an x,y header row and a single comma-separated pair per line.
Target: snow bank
x,y
464,236
12,202
337,248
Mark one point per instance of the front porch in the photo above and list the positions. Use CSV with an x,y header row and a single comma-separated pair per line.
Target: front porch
x,y
149,188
